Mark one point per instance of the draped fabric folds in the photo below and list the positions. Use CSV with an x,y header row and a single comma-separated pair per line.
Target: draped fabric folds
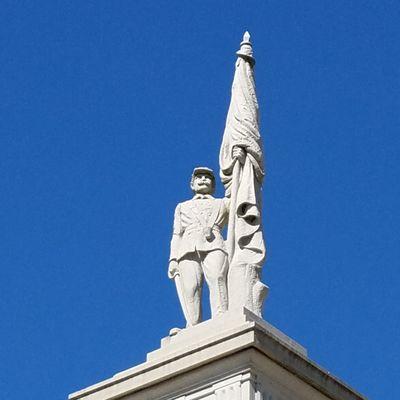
x,y
243,182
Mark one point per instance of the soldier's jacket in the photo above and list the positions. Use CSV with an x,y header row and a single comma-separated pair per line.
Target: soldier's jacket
x,y
197,225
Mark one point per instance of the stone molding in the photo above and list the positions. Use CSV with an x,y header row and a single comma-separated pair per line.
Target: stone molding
x,y
238,353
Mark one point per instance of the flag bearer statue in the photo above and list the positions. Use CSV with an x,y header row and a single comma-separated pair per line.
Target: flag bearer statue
x,y
231,268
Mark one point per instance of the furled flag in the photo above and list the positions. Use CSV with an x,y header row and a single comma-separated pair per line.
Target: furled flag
x,y
245,243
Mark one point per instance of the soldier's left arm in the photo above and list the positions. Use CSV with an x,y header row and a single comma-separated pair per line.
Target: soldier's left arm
x,y
225,210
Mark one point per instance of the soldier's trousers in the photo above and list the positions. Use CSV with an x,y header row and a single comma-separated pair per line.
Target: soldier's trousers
x,y
213,266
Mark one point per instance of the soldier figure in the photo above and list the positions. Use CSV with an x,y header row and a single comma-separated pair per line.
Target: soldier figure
x,y
198,248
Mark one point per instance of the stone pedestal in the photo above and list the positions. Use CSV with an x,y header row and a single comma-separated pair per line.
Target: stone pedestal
x,y
235,357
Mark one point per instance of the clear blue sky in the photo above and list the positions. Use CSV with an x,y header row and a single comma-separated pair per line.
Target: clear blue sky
x,y
106,106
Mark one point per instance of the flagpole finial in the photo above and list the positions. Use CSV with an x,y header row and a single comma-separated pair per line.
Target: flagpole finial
x,y
246,49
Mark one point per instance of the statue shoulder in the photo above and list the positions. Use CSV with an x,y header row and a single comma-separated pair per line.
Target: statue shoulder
x,y
221,199
218,200
184,204
221,203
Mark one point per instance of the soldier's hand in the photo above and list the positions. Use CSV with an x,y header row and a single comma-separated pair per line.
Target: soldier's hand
x,y
238,153
173,269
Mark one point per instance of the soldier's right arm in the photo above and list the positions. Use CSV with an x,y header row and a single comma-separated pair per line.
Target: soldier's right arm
x,y
175,242
177,221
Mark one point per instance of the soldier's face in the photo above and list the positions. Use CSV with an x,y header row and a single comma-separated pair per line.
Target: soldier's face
x,y
202,183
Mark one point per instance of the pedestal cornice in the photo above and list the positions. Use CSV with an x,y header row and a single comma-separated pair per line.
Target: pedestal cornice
x,y
219,349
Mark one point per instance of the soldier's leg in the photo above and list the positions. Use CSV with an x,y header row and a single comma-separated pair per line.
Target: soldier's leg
x,y
192,281
215,267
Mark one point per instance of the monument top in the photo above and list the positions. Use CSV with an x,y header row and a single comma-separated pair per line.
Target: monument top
x,y
231,267
246,48
236,355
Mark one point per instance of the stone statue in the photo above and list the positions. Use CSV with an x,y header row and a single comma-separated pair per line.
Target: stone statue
x,y
198,249
231,268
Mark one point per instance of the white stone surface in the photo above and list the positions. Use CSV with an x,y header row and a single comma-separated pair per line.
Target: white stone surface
x,y
235,357
232,268
242,178
228,324
198,249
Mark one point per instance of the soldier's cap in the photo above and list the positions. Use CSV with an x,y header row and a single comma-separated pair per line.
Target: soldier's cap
x,y
203,170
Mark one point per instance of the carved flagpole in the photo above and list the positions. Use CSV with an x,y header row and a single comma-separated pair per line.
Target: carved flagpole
x,y
230,237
